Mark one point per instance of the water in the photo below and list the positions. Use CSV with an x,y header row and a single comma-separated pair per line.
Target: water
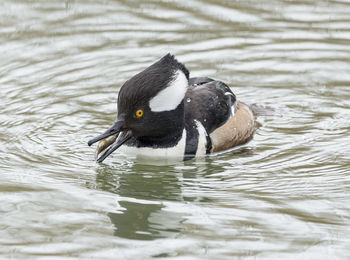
x,y
285,195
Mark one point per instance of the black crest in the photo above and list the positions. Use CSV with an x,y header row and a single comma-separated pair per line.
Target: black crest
x,y
143,86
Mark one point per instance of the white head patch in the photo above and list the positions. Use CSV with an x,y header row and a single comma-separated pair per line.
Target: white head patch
x,y
170,97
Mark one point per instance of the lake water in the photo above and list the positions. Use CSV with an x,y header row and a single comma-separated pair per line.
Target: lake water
x,y
284,195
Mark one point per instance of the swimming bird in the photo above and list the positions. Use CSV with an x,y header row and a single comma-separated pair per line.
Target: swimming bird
x,y
164,112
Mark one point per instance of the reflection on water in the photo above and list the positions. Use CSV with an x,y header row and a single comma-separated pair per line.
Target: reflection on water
x,y
144,216
283,195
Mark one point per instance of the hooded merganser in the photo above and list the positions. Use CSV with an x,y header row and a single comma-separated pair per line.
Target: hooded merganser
x,y
162,111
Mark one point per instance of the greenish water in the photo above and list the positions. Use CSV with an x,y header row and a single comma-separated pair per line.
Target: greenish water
x,y
285,195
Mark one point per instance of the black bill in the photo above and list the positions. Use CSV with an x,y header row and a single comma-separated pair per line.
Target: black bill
x,y
122,138
116,128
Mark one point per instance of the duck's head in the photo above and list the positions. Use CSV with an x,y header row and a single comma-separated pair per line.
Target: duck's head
x,y
150,106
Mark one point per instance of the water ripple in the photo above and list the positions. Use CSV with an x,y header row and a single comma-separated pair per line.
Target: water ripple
x,y
283,194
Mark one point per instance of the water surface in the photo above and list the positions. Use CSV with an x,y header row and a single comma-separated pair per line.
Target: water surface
x,y
284,195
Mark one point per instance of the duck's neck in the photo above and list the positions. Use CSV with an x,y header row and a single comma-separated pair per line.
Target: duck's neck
x,y
172,126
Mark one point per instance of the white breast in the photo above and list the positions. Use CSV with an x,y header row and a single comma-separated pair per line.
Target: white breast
x,y
171,152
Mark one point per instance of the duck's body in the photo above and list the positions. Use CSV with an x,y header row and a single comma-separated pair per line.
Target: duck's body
x,y
163,112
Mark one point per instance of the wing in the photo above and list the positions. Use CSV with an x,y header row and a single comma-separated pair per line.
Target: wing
x,y
209,101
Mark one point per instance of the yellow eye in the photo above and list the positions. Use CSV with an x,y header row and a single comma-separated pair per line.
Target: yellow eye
x,y
139,113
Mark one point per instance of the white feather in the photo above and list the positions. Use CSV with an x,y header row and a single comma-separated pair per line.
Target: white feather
x,y
202,139
176,151
234,105
170,97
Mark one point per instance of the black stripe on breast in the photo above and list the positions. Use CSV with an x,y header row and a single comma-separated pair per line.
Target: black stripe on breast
x,y
209,145
192,138
191,143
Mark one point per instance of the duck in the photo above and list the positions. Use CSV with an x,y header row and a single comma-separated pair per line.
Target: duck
x,y
164,112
